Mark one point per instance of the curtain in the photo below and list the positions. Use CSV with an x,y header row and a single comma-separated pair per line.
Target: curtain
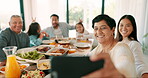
x,y
136,8
42,9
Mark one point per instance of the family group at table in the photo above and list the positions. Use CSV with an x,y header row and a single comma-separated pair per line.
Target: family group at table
x,y
123,55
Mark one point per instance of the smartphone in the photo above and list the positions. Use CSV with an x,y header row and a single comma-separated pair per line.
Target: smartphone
x,y
73,67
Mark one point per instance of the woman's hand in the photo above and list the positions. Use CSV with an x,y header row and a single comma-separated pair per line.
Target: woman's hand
x,y
108,71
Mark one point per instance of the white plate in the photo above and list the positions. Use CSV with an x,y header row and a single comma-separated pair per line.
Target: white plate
x,y
44,64
64,42
27,60
19,64
49,52
82,45
41,46
47,41
23,50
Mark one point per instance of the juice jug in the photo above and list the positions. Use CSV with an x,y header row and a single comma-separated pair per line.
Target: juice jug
x,y
12,67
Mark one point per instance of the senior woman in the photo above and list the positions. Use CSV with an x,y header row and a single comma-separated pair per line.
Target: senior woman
x,y
120,54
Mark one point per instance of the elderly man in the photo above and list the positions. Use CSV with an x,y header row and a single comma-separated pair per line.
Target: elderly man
x,y
13,36
58,28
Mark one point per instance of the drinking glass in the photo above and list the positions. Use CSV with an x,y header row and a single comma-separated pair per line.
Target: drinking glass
x,y
59,36
9,50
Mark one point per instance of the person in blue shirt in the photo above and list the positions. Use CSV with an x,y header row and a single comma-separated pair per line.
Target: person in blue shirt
x,y
35,34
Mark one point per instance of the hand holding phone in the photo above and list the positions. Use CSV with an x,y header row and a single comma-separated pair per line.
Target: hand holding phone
x,y
73,67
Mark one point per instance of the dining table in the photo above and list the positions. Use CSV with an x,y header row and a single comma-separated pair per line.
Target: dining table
x,y
80,49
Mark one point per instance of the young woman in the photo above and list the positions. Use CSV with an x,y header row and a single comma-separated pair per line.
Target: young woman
x,y
127,33
35,34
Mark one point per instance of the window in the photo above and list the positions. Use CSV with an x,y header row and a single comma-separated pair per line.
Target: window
x,y
85,10
7,9
118,8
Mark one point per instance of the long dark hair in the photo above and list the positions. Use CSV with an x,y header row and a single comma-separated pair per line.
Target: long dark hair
x,y
33,28
133,35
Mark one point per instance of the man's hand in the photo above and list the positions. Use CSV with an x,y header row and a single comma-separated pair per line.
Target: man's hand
x,y
108,71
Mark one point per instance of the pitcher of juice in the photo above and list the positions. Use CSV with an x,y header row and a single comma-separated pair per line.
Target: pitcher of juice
x,y
12,69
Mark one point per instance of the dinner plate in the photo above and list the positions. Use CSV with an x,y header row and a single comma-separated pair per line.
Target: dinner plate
x,y
82,45
57,51
3,67
47,41
44,64
44,48
28,55
23,50
27,60
64,42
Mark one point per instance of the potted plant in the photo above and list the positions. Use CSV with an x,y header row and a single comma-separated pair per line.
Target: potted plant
x,y
145,44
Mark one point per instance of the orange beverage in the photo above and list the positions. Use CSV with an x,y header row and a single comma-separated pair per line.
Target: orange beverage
x,y
71,51
12,67
52,43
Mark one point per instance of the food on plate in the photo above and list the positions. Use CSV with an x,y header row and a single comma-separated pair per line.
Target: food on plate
x,y
33,74
2,69
21,67
64,42
58,51
65,46
71,51
54,54
44,65
32,55
43,48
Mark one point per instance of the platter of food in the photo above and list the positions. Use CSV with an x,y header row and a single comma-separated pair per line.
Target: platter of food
x,y
43,64
31,56
44,48
33,74
48,41
57,51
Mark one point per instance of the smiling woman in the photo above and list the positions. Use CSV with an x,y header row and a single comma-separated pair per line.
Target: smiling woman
x,y
104,27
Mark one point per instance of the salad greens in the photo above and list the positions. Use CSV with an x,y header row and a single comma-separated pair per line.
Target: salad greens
x,y
32,55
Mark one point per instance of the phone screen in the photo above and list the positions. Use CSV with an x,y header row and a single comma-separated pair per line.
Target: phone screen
x,y
73,67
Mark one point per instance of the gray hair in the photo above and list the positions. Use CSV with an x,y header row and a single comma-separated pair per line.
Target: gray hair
x,y
15,16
